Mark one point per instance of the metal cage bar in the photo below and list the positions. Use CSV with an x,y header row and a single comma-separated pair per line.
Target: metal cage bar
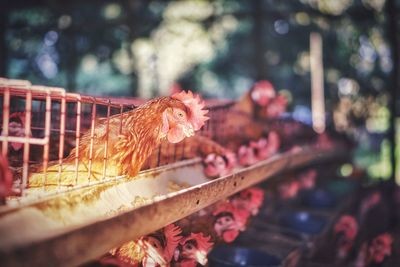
x,y
46,137
106,143
28,110
77,135
62,139
93,123
6,115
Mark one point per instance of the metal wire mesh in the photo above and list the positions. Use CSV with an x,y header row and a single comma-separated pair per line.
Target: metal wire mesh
x,y
41,126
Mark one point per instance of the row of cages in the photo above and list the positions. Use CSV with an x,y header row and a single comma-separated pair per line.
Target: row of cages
x,y
40,127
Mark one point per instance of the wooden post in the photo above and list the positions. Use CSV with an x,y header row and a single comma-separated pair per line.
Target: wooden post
x,y
317,83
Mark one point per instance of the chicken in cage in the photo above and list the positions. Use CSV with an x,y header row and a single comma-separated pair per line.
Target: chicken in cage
x,y
56,140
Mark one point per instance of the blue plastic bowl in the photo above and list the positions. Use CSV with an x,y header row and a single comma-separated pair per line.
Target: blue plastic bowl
x,y
319,198
230,256
303,222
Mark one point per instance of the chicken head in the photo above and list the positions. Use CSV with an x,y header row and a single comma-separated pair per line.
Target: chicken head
x,y
262,93
181,122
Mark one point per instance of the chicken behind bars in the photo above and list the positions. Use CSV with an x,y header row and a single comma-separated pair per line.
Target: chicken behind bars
x,y
172,118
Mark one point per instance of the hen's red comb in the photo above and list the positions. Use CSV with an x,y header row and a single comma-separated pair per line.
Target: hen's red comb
x,y
347,223
197,114
240,215
257,195
204,242
264,85
172,233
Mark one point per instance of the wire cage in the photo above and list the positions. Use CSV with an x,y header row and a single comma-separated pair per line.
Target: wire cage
x,y
41,126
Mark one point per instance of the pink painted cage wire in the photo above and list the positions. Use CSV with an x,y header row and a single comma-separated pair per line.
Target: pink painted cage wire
x,y
54,121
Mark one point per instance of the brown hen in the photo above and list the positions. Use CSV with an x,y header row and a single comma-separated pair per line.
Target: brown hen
x,y
166,118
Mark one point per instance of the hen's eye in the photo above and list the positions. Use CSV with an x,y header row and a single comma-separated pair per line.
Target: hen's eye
x,y
180,115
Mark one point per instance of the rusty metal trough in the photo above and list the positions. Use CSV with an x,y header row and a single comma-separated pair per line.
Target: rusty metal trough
x,y
74,227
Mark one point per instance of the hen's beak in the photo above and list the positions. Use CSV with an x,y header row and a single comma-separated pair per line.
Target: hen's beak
x,y
201,257
188,130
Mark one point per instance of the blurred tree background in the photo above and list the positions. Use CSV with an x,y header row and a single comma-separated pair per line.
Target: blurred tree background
x,y
219,48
